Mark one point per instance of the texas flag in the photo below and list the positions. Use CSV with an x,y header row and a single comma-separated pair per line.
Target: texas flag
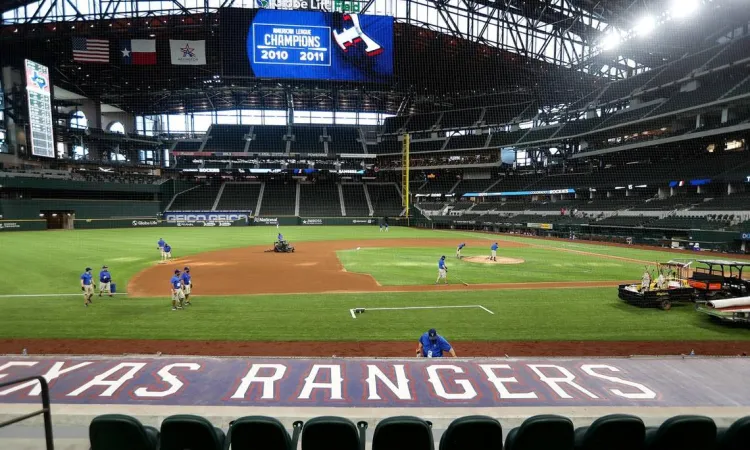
x,y
138,51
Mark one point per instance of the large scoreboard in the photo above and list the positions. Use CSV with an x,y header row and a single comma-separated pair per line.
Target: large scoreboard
x,y
41,140
312,45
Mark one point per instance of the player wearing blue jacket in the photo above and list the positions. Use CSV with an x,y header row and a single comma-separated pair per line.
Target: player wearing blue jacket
x,y
442,270
459,248
432,345
105,280
87,286
175,284
187,284
160,245
493,252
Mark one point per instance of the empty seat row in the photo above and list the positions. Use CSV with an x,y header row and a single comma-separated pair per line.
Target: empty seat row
x,y
542,432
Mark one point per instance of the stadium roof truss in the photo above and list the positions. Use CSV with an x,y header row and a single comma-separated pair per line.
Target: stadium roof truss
x,y
561,32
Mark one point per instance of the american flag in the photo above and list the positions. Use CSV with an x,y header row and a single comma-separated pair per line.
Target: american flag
x,y
90,50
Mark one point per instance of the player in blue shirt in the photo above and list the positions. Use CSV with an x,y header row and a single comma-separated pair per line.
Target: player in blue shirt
x,y
459,248
87,286
493,252
432,345
105,278
167,251
187,284
175,284
442,270
160,245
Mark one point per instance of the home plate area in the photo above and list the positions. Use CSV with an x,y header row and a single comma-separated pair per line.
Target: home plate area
x,y
223,389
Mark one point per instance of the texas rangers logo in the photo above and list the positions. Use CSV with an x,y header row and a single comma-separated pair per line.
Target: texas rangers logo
x,y
354,35
39,80
187,51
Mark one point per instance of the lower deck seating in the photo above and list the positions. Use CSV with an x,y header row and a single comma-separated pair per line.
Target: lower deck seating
x,y
279,198
541,432
239,197
385,199
355,200
198,199
319,199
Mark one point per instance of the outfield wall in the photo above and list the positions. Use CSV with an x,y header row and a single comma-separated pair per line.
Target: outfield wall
x,y
84,209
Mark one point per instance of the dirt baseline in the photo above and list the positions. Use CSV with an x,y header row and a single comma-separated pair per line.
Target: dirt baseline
x,y
314,268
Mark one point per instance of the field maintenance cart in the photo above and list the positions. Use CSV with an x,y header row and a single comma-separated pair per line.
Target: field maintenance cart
x,y
673,288
720,279
282,247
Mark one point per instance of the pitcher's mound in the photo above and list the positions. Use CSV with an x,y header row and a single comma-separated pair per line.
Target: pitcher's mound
x,y
486,260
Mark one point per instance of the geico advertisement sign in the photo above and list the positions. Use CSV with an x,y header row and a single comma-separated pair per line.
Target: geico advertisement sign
x,y
204,224
199,217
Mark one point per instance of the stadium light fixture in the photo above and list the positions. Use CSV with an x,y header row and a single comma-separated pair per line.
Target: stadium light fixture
x,y
684,8
611,40
645,26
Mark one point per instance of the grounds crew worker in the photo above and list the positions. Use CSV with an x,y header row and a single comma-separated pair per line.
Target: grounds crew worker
x,y
432,345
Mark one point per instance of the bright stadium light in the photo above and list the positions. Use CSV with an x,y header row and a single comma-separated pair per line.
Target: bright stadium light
x,y
684,8
645,26
610,40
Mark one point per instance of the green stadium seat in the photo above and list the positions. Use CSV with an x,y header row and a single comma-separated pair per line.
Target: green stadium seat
x,y
254,432
473,432
330,433
612,432
684,432
736,437
121,432
186,431
402,433
542,432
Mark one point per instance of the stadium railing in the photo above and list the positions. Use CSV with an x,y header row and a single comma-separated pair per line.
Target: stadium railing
x,y
46,412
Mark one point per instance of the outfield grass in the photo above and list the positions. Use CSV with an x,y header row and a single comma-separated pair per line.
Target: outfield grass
x,y
51,262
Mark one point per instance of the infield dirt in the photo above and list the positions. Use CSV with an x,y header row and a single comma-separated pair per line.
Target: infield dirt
x,y
314,267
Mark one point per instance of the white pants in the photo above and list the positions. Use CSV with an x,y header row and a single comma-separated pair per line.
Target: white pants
x,y
442,273
494,253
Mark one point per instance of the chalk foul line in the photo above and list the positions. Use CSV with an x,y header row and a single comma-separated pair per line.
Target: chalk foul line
x,y
52,295
353,311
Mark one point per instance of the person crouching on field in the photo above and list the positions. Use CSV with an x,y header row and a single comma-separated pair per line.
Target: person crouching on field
x,y
459,248
432,345
177,294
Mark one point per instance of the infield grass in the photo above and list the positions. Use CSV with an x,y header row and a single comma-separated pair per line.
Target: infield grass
x,y
565,314
51,262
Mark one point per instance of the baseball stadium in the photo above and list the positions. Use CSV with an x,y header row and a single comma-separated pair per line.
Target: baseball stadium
x,y
375,224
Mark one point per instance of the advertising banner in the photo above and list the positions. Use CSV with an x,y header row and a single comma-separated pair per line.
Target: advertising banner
x,y
22,225
540,226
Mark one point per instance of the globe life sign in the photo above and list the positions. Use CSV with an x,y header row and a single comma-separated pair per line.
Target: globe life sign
x,y
342,6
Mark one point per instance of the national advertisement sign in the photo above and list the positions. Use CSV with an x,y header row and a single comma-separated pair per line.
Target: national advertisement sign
x,y
266,220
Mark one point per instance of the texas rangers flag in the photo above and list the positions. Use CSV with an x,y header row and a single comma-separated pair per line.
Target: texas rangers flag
x,y
190,53
138,51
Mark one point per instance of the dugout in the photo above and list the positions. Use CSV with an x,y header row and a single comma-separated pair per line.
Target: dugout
x,y
58,219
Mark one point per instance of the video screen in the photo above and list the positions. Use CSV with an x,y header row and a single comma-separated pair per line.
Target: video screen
x,y
318,46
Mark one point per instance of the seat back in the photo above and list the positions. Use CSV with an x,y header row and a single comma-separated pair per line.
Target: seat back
x,y
253,432
615,432
542,432
120,432
737,436
473,432
185,431
402,433
330,433
685,432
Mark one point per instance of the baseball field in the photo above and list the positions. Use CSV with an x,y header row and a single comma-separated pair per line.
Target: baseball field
x,y
543,297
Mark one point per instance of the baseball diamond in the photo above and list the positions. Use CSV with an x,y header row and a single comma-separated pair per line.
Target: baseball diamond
x,y
375,225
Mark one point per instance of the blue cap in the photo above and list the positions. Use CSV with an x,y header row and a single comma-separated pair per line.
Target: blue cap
x,y
177,271
432,334
88,269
